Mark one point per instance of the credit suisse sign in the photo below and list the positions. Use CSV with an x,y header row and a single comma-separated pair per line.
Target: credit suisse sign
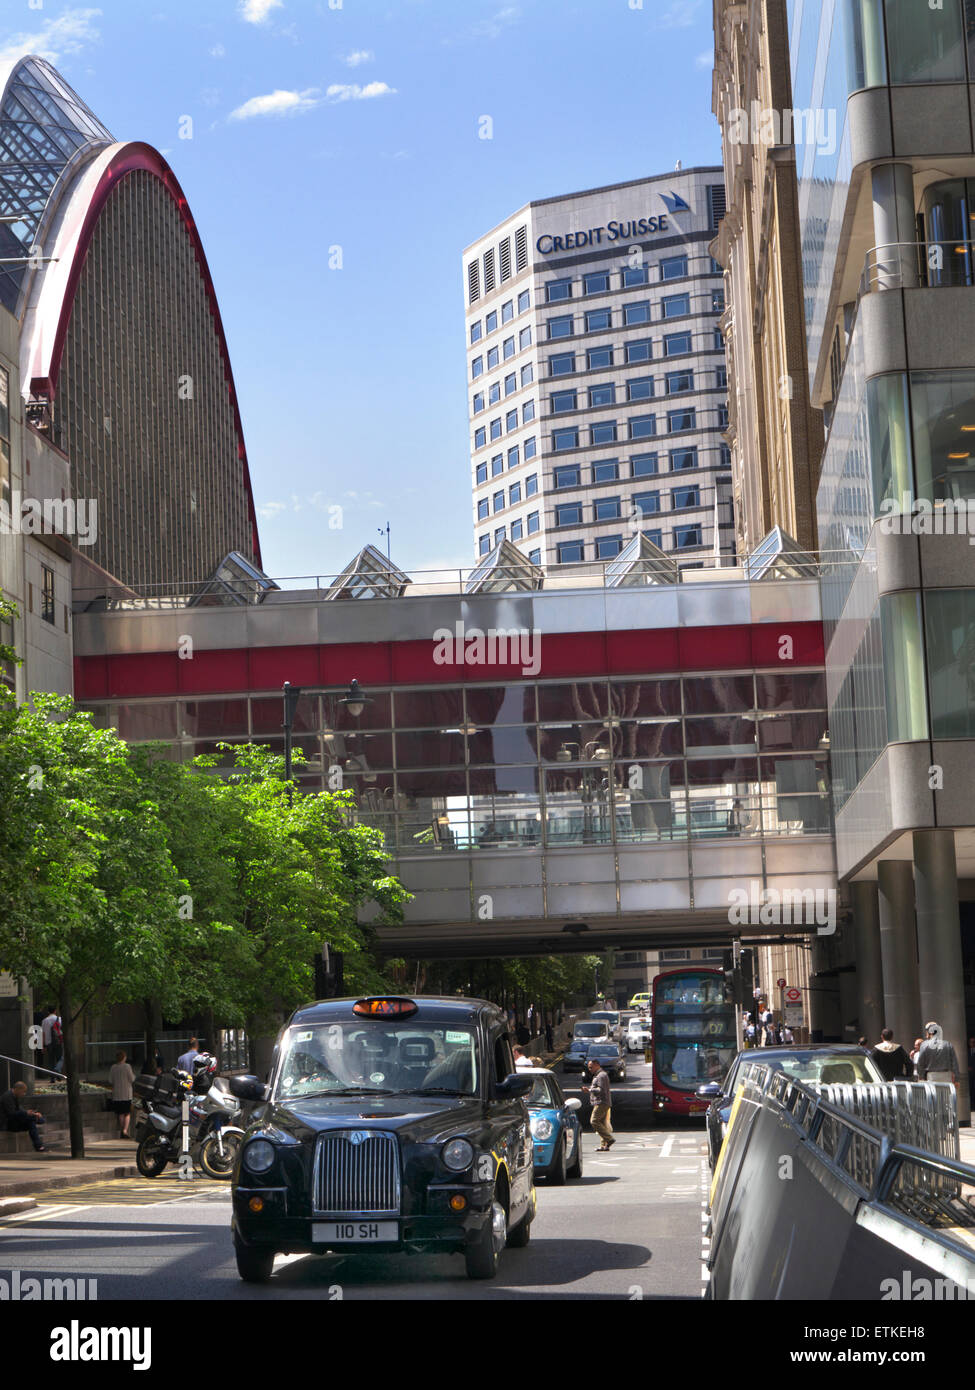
x,y
596,236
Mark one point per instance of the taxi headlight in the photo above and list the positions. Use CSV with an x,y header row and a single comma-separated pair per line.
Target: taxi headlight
x,y
457,1155
258,1156
541,1127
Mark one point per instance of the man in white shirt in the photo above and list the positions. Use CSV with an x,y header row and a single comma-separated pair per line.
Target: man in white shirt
x,y
521,1061
51,1032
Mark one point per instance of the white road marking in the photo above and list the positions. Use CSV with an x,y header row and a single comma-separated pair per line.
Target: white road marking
x,y
43,1214
668,1145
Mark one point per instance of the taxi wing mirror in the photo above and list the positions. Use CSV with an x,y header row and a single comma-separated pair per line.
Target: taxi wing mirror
x,y
713,1088
247,1088
573,1103
514,1085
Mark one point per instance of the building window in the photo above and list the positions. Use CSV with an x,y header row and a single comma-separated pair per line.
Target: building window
x,y
569,514
525,338
598,320
636,313
530,448
566,475
514,494
646,503
606,471
499,535
655,538
47,594
513,459
724,455
607,547
570,552
639,388
562,365
717,301
497,465
532,521
678,382
527,412
560,328
676,343
673,268
517,529
643,426
498,501
527,374
675,306
480,437
718,340
482,472
557,290
639,352
687,536
563,401
475,331
496,428
602,395
507,311
722,416
643,465
524,301
531,485
721,377
635,275
535,556
508,348
604,432
678,420
491,322
607,509
494,393
565,439
683,458
493,357
478,403
511,421
597,358
484,545
681,497
483,509
477,366
511,383
596,282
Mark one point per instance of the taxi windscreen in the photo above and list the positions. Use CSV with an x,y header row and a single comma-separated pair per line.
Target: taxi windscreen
x,y
383,1058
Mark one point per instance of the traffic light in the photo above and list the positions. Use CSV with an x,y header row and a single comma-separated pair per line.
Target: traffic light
x,y
746,971
730,982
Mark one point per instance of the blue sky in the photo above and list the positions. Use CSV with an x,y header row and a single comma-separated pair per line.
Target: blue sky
x,y
355,124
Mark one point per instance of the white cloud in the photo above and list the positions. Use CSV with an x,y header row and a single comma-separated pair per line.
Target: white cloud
x,y
257,11
277,104
56,38
361,55
705,59
270,510
495,26
681,14
218,51
353,92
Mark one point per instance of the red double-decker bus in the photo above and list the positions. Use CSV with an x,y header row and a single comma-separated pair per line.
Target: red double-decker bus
x,y
695,1037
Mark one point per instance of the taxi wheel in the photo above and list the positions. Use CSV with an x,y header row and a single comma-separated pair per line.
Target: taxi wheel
x,y
481,1257
254,1266
556,1172
519,1237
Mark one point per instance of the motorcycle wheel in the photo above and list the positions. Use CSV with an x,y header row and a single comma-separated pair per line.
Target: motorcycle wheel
x,y
214,1163
151,1156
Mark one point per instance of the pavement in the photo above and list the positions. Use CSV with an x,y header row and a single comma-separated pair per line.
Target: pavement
x,y
25,1174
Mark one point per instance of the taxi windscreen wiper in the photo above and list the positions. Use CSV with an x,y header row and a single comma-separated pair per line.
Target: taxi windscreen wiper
x,y
339,1091
437,1091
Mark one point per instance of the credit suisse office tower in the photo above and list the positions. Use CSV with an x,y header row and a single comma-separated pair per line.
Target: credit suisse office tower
x,y
596,375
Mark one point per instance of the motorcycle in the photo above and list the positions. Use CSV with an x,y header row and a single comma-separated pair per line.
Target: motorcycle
x,y
214,1138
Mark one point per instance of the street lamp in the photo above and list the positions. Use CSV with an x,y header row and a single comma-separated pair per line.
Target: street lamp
x,y
354,701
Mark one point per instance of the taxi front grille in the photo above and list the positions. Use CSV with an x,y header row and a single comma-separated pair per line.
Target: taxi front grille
x,y
356,1172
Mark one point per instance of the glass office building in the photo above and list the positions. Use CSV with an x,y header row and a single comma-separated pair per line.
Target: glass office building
x,y
597,389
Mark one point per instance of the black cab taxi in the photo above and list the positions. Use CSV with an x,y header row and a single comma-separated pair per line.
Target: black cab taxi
x,y
386,1124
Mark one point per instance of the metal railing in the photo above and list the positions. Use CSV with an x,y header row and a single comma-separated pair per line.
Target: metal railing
x,y
32,1065
901,265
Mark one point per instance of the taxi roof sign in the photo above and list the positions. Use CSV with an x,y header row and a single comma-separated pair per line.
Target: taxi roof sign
x,y
384,1007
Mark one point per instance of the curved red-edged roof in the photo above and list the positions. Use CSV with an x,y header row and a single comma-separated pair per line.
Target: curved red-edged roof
x,y
52,299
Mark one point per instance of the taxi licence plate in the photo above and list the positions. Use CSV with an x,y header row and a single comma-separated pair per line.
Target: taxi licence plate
x,y
699,1109
353,1232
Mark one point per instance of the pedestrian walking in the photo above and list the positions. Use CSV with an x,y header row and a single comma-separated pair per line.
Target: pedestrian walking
x,y
600,1098
914,1052
17,1120
788,1038
52,1039
122,1076
936,1060
185,1063
549,1038
894,1063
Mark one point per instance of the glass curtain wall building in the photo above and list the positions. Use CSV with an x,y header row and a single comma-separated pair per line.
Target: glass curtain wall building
x,y
597,389
885,185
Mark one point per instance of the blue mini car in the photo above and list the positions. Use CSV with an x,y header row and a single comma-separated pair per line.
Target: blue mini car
x,y
556,1132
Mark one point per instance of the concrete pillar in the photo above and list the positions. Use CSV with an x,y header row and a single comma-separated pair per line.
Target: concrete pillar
x,y
942,985
869,972
814,995
898,950
894,227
